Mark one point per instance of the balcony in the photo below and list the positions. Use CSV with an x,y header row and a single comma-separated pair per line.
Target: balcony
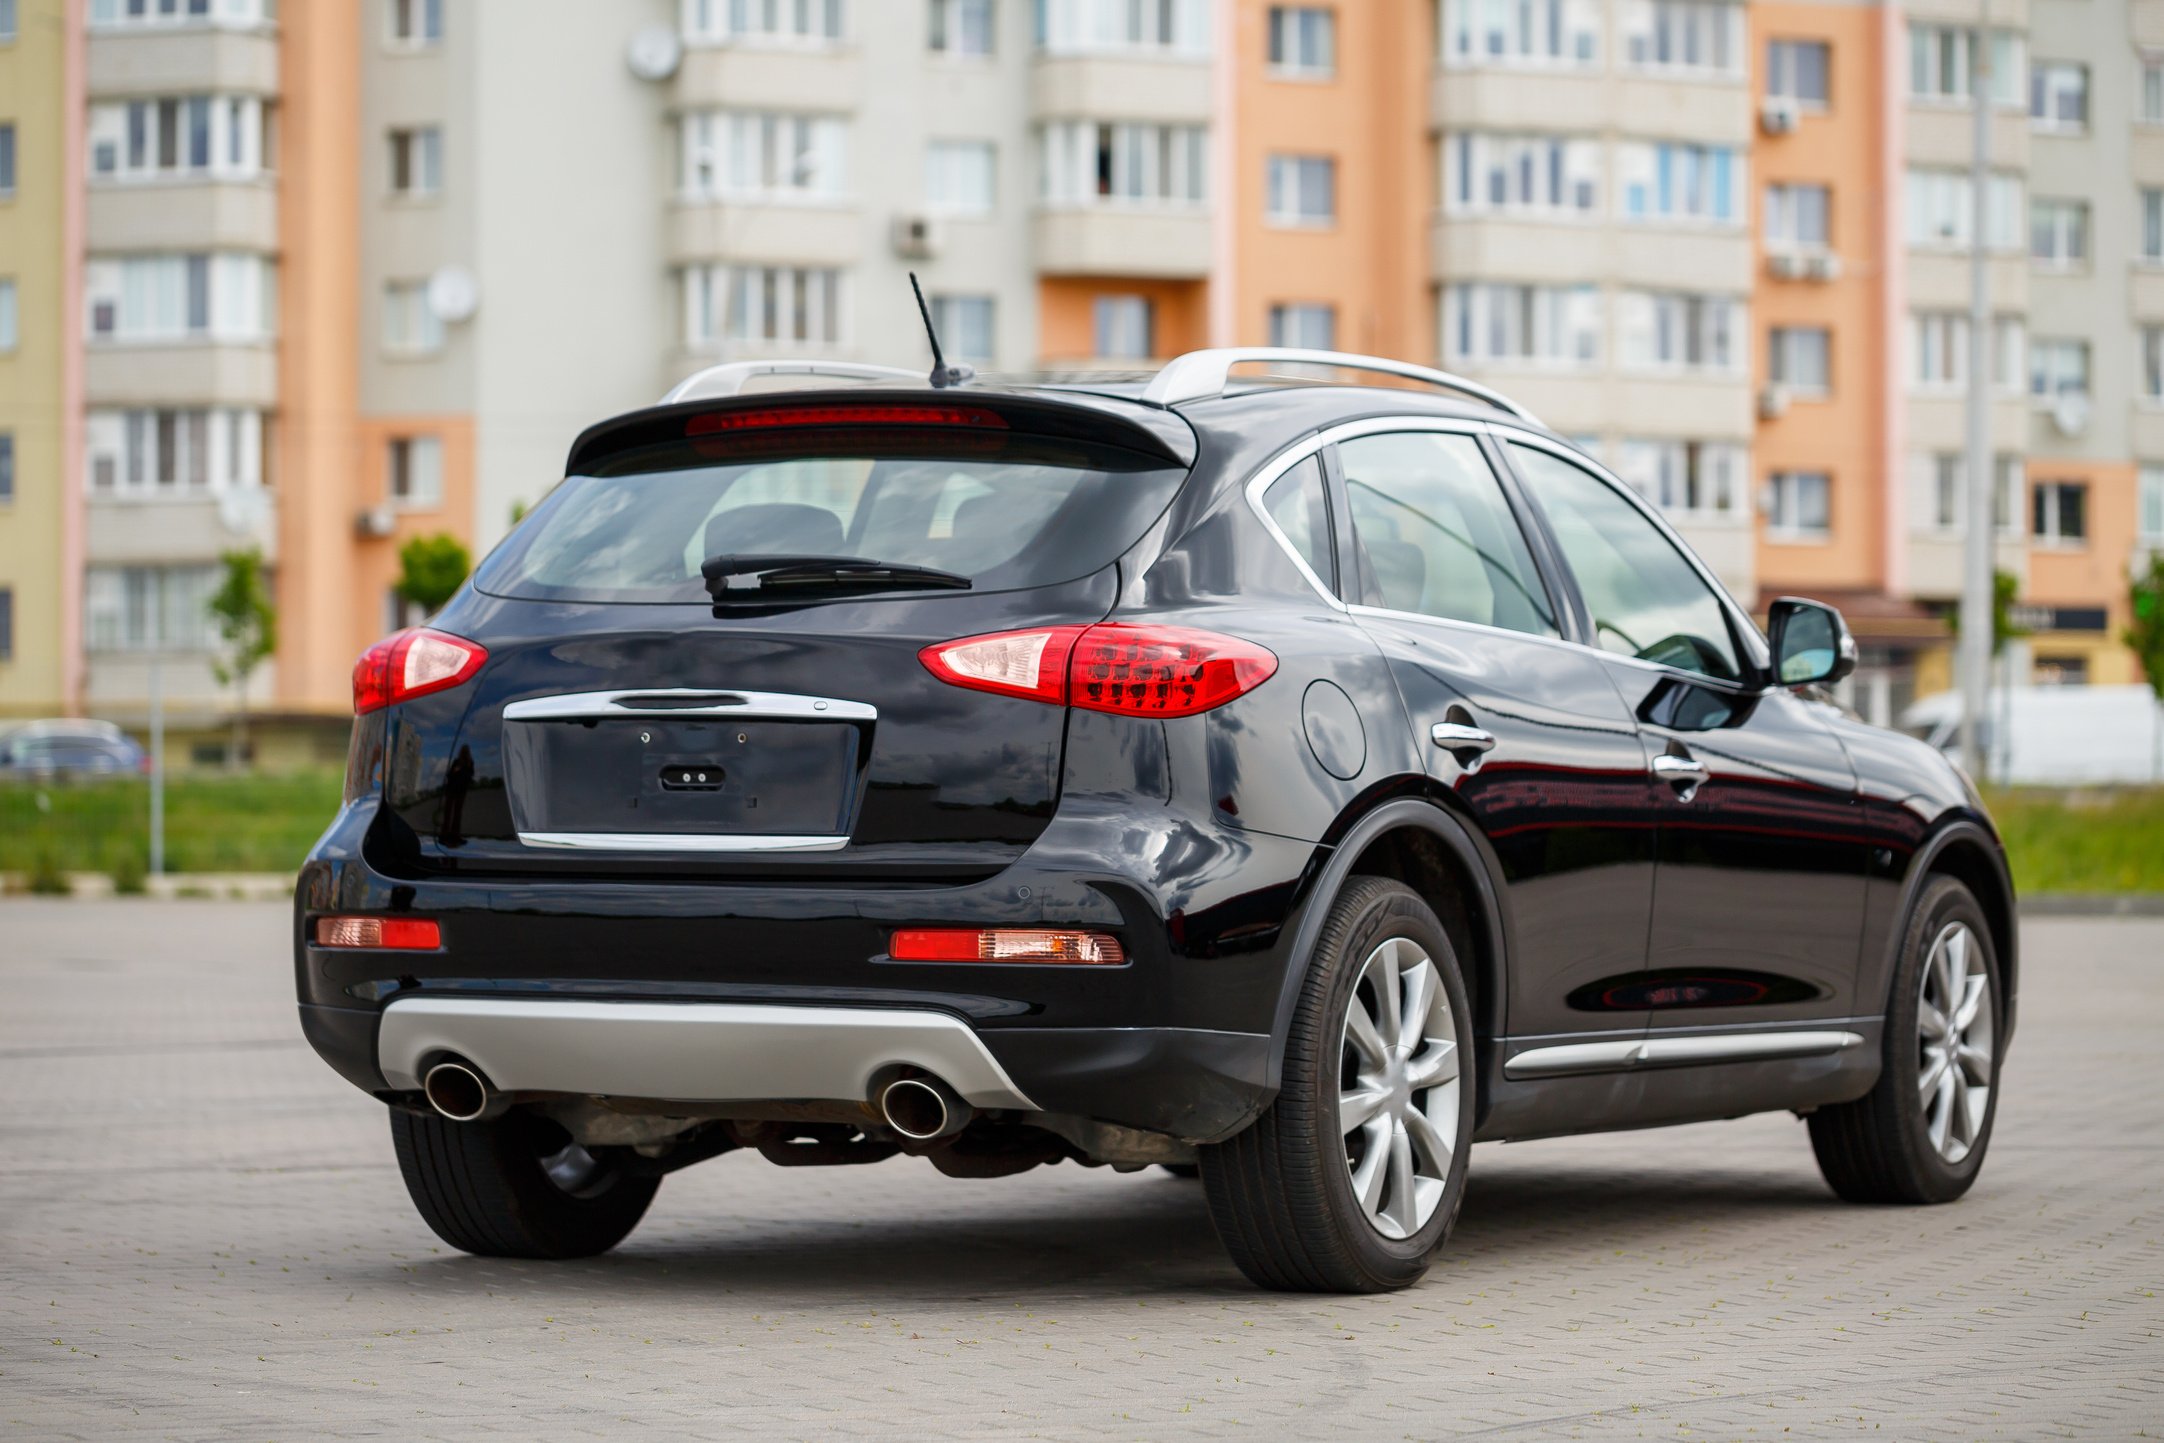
x,y
2009,14
1935,562
1943,135
117,684
1939,422
1939,280
165,532
1729,547
777,78
1167,244
191,216
1174,91
1579,400
779,232
1564,99
1569,253
180,373
2145,21
182,61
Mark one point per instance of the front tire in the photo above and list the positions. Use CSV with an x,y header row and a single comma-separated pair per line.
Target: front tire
x,y
516,1187
1919,1135
1352,1178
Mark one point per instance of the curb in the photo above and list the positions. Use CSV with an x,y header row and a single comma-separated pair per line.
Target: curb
x,y
221,886
2078,904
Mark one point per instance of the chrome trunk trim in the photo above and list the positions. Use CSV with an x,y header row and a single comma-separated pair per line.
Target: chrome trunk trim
x,y
687,701
681,842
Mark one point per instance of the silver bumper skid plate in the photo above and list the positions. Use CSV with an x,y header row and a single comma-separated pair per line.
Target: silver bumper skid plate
x,y
688,1051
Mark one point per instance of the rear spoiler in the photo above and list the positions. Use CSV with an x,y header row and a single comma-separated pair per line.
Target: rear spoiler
x,y
1102,421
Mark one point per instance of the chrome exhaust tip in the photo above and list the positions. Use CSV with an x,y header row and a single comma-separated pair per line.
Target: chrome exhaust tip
x,y
458,1091
923,1108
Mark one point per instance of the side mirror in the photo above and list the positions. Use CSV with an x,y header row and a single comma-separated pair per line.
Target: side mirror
x,y
1810,643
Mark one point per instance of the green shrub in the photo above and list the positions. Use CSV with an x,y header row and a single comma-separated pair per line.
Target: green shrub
x,y
46,878
129,874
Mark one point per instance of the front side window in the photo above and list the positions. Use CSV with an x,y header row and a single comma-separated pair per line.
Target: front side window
x,y
1302,190
1646,599
1797,70
1436,537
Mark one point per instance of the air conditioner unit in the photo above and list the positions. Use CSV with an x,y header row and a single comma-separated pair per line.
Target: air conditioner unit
x,y
1772,403
1786,265
1823,266
1778,116
916,237
2070,413
375,523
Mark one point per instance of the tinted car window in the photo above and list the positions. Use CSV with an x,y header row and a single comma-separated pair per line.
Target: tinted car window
x,y
1646,599
1297,505
1437,536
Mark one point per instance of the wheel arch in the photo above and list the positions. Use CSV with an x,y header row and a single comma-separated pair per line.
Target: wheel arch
x,y
1966,851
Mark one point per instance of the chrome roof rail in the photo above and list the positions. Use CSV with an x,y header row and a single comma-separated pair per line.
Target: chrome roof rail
x,y
728,378
1200,375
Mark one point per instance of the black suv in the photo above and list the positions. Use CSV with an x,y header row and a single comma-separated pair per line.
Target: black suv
x,y
1295,781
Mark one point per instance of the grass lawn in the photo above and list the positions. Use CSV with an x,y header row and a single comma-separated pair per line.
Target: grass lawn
x,y
2091,841
212,823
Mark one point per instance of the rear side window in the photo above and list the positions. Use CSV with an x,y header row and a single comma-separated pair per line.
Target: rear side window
x,y
1646,600
1436,536
1007,512
1297,506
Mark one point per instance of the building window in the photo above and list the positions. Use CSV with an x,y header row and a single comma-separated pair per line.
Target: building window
x,y
411,326
960,177
1940,213
416,162
1676,182
1302,190
149,608
144,14
1493,173
143,140
1799,217
754,155
7,160
1506,32
7,467
1124,327
1941,64
1799,505
1939,351
7,20
1304,327
415,24
2149,519
1797,70
1093,163
2058,367
1940,492
1668,331
221,296
1550,326
2059,96
775,305
1689,480
2152,226
1303,41
1082,27
1800,358
142,454
962,27
2059,512
7,623
965,325
9,338
1687,35
769,22
2059,670
2151,98
2059,232
416,472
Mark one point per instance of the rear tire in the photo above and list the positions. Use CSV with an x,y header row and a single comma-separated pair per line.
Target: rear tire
x,y
513,1189
1382,1035
1919,1135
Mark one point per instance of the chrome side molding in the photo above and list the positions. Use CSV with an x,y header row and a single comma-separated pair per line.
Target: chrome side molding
x,y
1626,1054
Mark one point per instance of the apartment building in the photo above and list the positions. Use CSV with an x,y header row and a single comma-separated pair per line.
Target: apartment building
x,y
328,277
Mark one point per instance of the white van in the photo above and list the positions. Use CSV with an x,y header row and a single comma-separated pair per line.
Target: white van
x,y
2055,735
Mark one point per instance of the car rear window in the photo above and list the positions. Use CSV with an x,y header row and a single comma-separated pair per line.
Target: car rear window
x,y
1007,512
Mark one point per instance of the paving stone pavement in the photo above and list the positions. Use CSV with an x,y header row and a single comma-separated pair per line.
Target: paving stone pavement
x,y
203,1235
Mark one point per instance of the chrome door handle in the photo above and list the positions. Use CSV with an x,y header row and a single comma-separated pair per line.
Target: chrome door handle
x,y
1685,774
1468,743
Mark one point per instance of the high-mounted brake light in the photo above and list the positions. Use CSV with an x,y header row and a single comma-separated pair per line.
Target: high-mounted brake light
x,y
717,423
407,934
1005,944
1129,670
412,663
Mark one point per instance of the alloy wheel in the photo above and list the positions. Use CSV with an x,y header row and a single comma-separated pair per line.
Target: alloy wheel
x,y
1398,1088
1954,1041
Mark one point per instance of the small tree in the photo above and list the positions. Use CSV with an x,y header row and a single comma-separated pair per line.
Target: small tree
x,y
2005,587
431,569
248,626
2146,635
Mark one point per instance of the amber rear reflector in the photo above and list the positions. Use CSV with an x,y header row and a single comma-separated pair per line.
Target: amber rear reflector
x,y
410,934
1004,944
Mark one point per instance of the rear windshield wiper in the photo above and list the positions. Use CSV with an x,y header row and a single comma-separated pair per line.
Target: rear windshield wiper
x,y
734,577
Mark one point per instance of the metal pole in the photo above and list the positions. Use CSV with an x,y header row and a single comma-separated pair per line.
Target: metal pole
x,y
157,766
1976,583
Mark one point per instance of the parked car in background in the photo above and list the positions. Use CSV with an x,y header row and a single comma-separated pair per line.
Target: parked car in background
x,y
2055,736
1294,781
70,747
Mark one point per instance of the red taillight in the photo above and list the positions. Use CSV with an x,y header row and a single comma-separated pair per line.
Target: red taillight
x,y
1114,667
1004,944
409,934
847,414
413,663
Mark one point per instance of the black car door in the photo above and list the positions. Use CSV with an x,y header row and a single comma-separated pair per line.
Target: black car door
x,y
1759,892
1522,727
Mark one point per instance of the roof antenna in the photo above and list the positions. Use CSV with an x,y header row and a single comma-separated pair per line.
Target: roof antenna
x,y
943,375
